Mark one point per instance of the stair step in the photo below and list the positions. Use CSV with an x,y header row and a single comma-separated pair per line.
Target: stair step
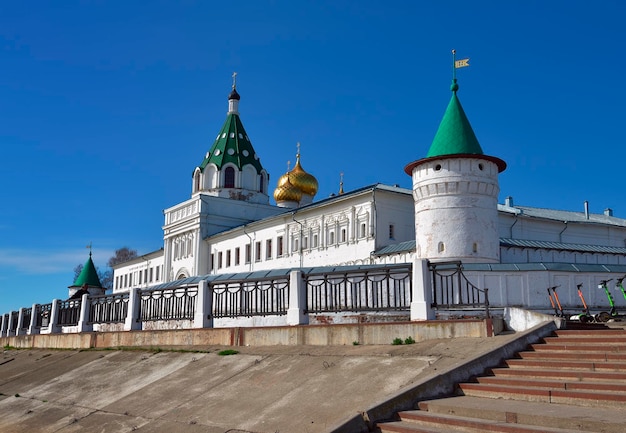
x,y
575,346
553,384
530,373
579,397
603,332
566,364
572,418
467,424
586,356
608,339
407,427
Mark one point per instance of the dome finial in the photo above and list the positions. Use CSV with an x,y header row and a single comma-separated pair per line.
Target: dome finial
x,y
456,64
341,183
234,80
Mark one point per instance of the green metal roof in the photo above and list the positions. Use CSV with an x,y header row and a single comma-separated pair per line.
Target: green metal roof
x,y
88,275
455,135
232,145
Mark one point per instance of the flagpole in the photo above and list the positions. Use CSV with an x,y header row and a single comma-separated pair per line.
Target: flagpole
x,y
454,65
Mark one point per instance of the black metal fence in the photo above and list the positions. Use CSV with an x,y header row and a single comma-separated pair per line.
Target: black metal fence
x,y
108,308
245,298
168,304
386,288
68,312
15,315
27,313
453,291
43,313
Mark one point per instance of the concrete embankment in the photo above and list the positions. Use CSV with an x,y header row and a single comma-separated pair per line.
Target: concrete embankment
x,y
277,388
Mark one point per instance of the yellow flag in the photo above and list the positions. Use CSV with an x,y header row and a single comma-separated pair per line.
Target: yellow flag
x,y
461,63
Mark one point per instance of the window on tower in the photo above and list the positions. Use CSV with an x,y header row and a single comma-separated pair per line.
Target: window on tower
x,y
229,177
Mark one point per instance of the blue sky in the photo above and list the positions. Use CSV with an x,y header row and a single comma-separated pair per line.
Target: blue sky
x,y
107,107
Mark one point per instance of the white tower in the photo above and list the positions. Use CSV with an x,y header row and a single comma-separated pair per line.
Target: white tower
x,y
455,189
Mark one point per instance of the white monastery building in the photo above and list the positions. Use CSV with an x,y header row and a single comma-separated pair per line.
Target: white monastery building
x,y
229,225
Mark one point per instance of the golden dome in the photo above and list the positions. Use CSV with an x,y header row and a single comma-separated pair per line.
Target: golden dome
x,y
285,191
299,178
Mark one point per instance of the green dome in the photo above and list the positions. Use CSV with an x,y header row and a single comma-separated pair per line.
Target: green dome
x,y
455,135
232,144
88,275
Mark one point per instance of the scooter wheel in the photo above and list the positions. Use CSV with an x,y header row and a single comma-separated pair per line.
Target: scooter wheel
x,y
603,317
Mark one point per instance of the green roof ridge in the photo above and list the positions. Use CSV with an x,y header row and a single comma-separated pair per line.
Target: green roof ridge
x,y
455,135
88,275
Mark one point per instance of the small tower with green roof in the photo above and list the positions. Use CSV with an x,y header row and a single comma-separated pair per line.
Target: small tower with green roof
x,y
87,281
231,168
455,188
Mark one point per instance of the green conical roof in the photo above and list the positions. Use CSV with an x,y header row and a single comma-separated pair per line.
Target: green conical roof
x,y
232,144
88,275
455,135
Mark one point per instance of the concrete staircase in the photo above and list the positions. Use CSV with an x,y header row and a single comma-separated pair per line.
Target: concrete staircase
x,y
572,381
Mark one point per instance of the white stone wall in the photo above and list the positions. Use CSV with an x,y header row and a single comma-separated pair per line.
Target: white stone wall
x,y
528,289
456,209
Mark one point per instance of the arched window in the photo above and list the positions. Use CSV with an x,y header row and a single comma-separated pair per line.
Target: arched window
x,y
197,182
229,177
441,247
261,183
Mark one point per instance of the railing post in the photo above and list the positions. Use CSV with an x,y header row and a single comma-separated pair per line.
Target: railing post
x,y
53,326
297,300
421,308
132,322
20,319
203,317
83,318
32,326
10,330
4,326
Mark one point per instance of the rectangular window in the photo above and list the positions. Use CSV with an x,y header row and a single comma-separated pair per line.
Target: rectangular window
x,y
248,253
314,241
296,244
331,238
363,228
268,249
392,234
157,273
117,280
305,242
212,261
343,235
227,258
219,260
257,251
236,256
151,274
279,246
126,280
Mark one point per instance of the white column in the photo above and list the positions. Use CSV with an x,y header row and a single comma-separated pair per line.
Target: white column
x,y
54,318
4,327
132,322
297,300
203,317
20,320
10,330
83,319
32,326
422,292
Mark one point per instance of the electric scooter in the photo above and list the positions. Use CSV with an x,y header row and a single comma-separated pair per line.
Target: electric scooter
x,y
585,316
558,312
604,285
